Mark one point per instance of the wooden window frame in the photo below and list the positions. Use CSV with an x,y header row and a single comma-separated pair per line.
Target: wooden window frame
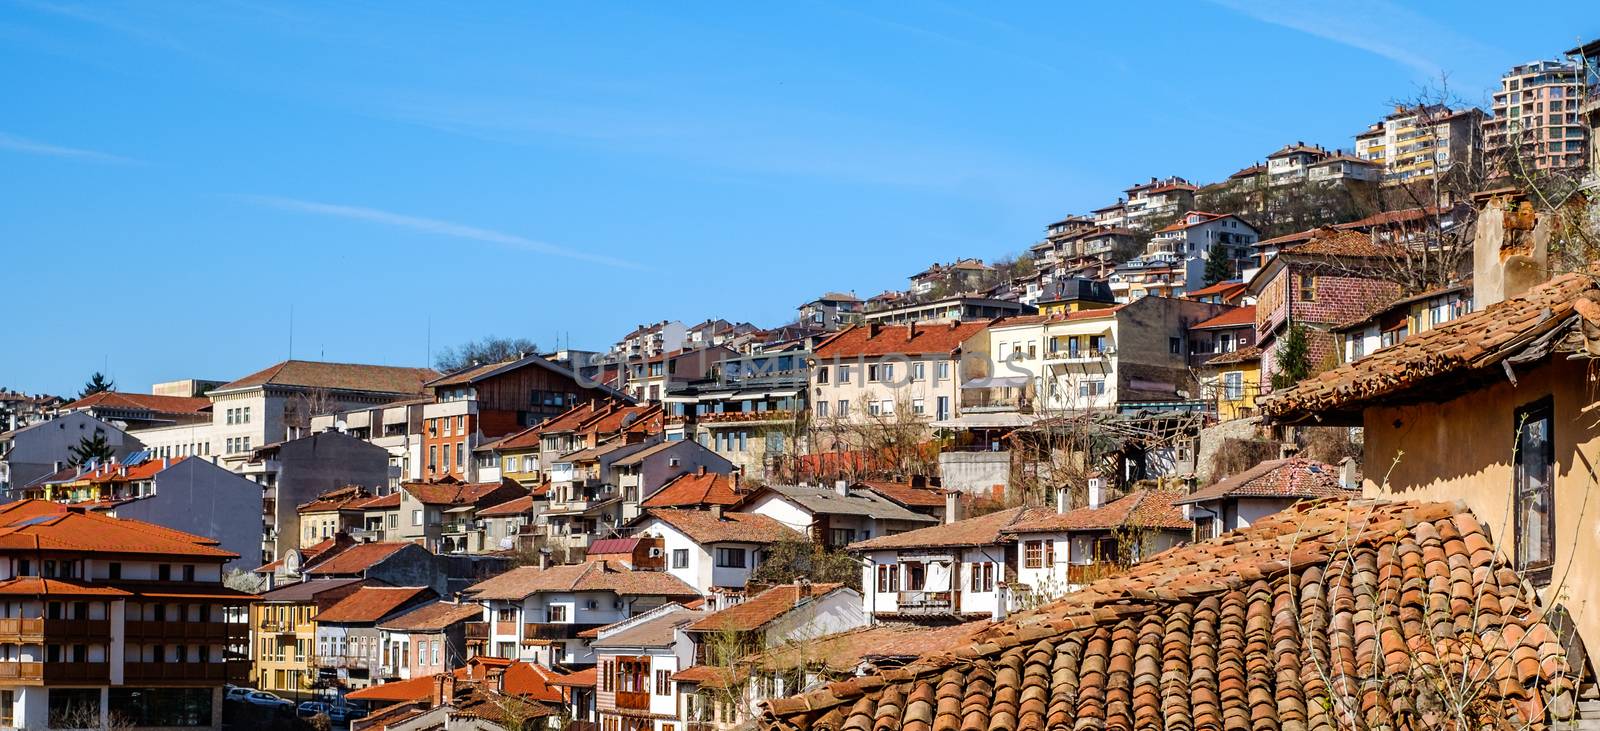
x,y
1542,409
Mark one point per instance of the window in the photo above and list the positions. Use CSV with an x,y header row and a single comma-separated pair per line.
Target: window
x,y
844,374
983,576
844,408
1033,554
840,537
1534,461
1233,385
918,406
461,455
822,374
113,572
888,578
188,572
822,409
731,558
556,613
918,371
873,408
416,517
164,572
942,408
1088,388
663,682
887,407
943,371
680,558
1175,345
1308,287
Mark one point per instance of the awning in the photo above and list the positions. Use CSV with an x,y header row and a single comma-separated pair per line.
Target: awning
x,y
998,382
990,420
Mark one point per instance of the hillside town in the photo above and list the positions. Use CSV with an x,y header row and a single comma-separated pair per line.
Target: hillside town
x,y
1312,446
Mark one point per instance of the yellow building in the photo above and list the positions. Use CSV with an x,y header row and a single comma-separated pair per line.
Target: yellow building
x,y
1233,380
284,634
1074,295
518,456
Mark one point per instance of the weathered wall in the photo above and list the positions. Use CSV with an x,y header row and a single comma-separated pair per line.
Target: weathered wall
x,y
1462,450
975,472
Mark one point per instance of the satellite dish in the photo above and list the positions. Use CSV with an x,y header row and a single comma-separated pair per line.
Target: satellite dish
x,y
340,426
291,561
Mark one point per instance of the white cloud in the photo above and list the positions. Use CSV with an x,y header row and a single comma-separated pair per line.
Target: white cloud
x,y
434,226
34,147
1416,41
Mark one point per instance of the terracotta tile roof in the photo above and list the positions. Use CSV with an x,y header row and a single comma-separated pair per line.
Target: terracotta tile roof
x,y
31,586
48,526
435,617
1253,170
145,470
932,338
1183,223
304,591
410,690
1088,314
1137,509
372,603
144,401
1222,287
357,558
463,493
352,497
338,376
843,652
472,374
659,631
1471,343
392,500
708,676
761,609
515,506
520,583
695,490
1236,317
703,527
585,678
520,678
1237,633
1248,354
907,495
1295,477
1389,218
1295,237
1328,242
983,530
1297,147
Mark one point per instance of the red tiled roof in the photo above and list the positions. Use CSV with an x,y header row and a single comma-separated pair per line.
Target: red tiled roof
x,y
709,676
907,495
695,490
584,678
761,609
1295,477
703,526
392,500
983,530
1205,217
372,603
932,338
32,586
435,617
1085,314
515,506
357,558
1476,342
1327,242
122,473
48,526
1295,237
1236,317
146,401
338,376
1242,355
844,652
520,583
1221,287
1138,509
1235,632
462,493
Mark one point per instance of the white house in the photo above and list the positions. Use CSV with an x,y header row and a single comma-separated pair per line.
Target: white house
x,y
1267,488
636,659
536,614
1061,550
940,574
713,548
1187,243
834,516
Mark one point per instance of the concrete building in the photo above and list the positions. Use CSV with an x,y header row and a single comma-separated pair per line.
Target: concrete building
x,y
1536,125
141,411
295,472
397,427
876,371
647,341
1186,244
832,311
1390,325
948,308
1291,164
1412,143
283,642
350,646
45,447
442,516
107,619
636,659
427,640
185,494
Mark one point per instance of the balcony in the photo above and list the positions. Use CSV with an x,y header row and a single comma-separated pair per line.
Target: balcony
x,y
67,630
926,602
633,701
22,630
217,631
1084,355
543,631
477,631
186,672
353,662
747,417
55,672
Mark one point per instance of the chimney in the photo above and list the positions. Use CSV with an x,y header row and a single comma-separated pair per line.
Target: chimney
x,y
716,512
802,589
701,471
1096,489
919,480
544,559
911,331
737,471
1063,498
842,487
1510,250
952,506
1348,470
436,698
873,329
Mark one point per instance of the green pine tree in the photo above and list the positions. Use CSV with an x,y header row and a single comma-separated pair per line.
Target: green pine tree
x,y
1218,267
94,448
1293,358
97,383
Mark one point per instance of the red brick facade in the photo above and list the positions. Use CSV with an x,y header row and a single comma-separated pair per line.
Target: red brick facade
x,y
1318,296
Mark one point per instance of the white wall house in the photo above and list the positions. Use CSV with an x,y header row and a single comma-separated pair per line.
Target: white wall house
x,y
835,516
710,548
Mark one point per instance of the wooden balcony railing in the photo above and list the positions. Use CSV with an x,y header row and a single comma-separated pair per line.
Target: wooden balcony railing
x,y
220,631
926,601
186,672
21,671
21,630
633,701
77,672
80,629
477,630
1088,572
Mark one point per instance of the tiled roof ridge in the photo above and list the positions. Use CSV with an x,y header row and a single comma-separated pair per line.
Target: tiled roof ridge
x,y
1022,651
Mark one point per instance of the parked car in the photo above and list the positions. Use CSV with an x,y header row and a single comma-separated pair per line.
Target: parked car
x,y
345,714
271,700
312,708
235,693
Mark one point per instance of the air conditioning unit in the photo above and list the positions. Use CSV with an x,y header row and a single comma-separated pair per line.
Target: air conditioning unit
x,y
592,605
616,604
655,552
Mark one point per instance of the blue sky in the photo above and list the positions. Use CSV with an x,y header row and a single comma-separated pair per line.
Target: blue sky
x,y
173,176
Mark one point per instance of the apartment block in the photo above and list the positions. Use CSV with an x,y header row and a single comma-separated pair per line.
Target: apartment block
x,y
1536,120
1414,143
